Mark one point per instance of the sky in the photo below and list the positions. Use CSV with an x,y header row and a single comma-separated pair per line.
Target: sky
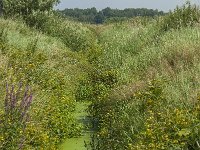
x,y
164,5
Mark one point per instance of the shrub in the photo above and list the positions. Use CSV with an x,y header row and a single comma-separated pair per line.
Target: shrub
x,y
74,35
97,84
187,15
166,126
53,111
27,9
146,121
51,70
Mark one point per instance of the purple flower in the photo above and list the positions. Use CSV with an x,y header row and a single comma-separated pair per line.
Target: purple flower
x,y
17,103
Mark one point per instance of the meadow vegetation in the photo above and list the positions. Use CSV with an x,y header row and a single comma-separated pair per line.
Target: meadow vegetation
x,y
51,70
139,77
154,103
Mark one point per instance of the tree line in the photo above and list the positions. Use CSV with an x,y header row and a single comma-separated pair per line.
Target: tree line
x,y
29,10
92,15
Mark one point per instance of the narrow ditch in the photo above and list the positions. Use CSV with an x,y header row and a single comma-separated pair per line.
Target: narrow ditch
x,y
83,117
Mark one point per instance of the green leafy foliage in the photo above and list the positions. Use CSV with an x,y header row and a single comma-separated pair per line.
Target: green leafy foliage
x,y
144,122
168,128
91,15
25,8
187,15
32,11
162,113
96,85
52,71
75,35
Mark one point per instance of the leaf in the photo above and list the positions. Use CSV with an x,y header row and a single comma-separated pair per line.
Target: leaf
x,y
184,132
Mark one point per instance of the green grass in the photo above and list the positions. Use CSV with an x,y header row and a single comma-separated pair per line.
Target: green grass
x,y
136,57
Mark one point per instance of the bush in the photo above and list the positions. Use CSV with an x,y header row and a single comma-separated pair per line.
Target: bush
x,y
97,84
187,15
147,121
54,116
27,9
52,71
74,35
166,126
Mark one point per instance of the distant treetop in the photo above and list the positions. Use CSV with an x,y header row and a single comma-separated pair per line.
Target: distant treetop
x,y
91,15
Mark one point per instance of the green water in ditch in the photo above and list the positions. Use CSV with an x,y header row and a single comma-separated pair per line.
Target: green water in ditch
x,y
82,116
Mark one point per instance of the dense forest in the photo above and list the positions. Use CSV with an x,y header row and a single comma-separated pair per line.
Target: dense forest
x,y
92,15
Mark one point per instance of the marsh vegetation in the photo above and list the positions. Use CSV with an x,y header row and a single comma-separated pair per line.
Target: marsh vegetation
x,y
136,80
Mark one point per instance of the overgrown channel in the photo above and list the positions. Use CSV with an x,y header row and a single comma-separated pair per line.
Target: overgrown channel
x,y
130,84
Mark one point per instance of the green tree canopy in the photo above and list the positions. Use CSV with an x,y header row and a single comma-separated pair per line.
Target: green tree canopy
x,y
33,12
27,7
92,15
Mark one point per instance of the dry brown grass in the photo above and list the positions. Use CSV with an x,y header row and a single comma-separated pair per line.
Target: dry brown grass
x,y
124,92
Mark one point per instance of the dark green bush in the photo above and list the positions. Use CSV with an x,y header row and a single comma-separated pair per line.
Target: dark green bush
x,y
96,85
25,9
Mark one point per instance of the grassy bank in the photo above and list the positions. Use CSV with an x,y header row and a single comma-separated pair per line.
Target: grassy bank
x,y
50,70
154,102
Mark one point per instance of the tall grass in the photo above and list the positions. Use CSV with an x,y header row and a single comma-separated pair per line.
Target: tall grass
x,y
154,104
53,71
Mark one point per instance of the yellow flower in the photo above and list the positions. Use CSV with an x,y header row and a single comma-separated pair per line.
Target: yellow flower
x,y
175,141
1,138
